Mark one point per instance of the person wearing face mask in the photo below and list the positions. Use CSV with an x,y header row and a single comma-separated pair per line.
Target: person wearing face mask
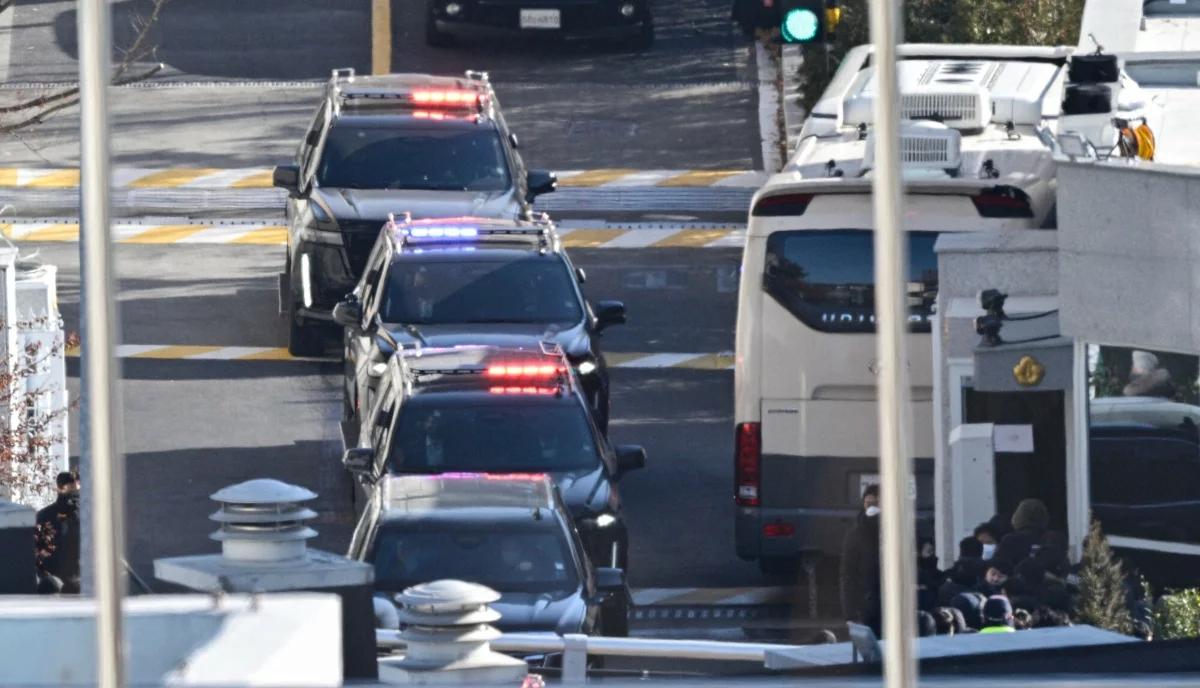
x,y
860,581
58,538
987,538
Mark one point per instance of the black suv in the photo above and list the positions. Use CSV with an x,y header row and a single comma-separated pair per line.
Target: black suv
x,y
509,533
427,145
449,282
628,21
497,411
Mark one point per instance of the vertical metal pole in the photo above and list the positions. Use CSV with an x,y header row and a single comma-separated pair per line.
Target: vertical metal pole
x,y
99,317
896,536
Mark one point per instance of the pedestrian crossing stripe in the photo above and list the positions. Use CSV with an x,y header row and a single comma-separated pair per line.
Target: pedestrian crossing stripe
x,y
266,234
194,352
261,178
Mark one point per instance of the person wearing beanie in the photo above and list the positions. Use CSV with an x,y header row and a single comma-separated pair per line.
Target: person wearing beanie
x,y
1029,523
926,624
997,615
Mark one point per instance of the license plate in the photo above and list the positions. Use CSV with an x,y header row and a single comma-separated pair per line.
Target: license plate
x,y
541,19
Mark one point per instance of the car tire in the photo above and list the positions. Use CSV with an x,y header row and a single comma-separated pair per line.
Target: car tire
x,y
433,37
304,339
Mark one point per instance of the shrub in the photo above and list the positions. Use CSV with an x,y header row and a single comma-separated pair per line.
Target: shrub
x,y
1177,615
1102,596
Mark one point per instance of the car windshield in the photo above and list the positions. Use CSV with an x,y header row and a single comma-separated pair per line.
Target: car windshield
x,y
428,159
505,559
494,437
535,289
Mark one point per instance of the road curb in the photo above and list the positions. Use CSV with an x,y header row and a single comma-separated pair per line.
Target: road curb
x,y
793,113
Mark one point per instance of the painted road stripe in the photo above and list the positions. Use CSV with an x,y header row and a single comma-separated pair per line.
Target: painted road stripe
x,y
267,234
646,597
381,36
200,352
260,177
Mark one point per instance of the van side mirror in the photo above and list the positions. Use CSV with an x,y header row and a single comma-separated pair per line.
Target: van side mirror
x,y
630,457
580,275
540,182
348,313
359,460
287,177
609,313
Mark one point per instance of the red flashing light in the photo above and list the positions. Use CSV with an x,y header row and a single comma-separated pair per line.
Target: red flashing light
x,y
523,390
503,477
747,462
444,97
528,370
779,530
426,114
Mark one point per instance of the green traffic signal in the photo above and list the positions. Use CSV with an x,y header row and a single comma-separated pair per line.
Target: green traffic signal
x,y
800,25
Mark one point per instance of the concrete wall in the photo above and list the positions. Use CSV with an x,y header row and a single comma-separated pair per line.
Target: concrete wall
x,y
1130,254
1022,264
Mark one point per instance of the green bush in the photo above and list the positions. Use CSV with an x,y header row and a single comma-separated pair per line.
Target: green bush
x,y
1177,615
1014,22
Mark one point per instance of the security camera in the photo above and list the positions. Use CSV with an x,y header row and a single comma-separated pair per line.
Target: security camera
x,y
992,302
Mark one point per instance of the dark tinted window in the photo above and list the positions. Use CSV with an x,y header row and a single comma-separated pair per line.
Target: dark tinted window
x,y
493,438
826,278
1144,447
504,559
413,158
537,289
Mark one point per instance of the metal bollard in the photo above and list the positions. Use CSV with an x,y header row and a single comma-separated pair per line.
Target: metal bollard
x,y
574,666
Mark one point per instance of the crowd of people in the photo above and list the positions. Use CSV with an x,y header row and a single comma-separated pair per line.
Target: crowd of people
x,y
1011,574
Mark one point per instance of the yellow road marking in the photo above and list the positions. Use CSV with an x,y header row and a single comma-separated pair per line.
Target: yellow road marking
x,y
59,179
590,238
168,179
177,351
595,177
66,232
707,362
258,180
381,36
272,235
164,234
691,238
8,176
698,178
276,354
618,357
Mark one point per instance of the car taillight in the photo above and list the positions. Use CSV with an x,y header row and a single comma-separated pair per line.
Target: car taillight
x,y
779,530
747,460
1003,201
781,205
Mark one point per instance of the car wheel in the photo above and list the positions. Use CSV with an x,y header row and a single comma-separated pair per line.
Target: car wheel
x,y
434,37
304,339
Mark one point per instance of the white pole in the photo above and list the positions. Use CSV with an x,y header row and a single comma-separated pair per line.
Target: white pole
x,y
99,317
896,535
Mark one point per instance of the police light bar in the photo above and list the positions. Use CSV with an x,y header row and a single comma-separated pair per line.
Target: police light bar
x,y
446,97
526,370
442,232
547,391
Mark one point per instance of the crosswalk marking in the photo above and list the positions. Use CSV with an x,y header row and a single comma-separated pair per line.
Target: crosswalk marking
x,y
261,178
598,235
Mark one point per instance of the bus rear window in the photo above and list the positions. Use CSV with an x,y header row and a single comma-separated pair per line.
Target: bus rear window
x,y
826,278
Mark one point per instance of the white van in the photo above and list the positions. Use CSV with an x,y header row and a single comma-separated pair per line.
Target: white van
x,y
976,150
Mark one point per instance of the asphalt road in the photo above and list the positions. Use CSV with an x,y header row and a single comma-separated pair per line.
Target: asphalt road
x,y
192,427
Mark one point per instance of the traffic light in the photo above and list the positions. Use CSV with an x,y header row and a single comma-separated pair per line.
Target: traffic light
x,y
808,21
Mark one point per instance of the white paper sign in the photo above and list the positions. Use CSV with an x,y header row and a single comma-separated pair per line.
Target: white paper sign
x,y
1013,438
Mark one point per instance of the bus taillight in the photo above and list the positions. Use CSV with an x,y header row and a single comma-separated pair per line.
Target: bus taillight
x,y
748,458
1003,201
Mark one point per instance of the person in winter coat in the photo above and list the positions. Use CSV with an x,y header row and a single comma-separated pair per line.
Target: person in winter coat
x,y
997,616
57,539
1029,523
860,581
970,604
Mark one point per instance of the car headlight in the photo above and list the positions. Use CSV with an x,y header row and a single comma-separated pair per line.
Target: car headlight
x,y
586,368
604,520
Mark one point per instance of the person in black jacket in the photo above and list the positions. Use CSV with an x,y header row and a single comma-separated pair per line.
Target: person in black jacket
x,y
58,539
860,581
1029,523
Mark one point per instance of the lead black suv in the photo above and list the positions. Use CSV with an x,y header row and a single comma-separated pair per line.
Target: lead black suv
x,y
510,533
450,282
427,145
479,409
